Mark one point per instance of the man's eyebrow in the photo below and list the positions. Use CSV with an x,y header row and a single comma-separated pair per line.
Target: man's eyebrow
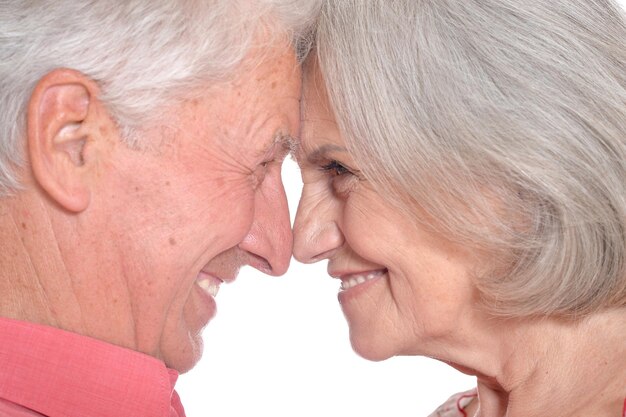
x,y
289,143
282,143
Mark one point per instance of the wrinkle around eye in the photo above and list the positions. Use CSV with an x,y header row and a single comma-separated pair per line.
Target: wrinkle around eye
x,y
331,186
343,185
258,175
262,170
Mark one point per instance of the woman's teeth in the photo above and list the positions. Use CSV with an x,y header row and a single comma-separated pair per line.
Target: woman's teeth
x,y
209,287
355,280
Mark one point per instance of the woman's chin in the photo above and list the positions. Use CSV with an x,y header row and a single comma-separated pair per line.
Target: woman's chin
x,y
368,347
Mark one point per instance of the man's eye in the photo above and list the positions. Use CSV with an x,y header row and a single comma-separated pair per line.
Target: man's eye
x,y
260,172
335,169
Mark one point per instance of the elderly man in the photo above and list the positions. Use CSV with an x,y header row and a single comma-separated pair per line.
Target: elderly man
x,y
141,147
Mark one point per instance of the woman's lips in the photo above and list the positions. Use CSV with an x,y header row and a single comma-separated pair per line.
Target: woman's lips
x,y
355,279
353,285
351,281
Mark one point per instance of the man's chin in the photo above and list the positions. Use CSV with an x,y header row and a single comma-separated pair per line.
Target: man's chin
x,y
183,358
182,347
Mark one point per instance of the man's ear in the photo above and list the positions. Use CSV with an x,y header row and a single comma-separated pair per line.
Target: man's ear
x,y
62,120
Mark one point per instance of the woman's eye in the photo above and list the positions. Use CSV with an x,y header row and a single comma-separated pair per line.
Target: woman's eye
x,y
343,180
335,169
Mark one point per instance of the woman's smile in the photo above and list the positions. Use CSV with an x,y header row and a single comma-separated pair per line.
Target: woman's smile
x,y
352,280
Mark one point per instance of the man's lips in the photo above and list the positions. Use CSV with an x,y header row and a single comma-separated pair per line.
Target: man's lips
x,y
210,282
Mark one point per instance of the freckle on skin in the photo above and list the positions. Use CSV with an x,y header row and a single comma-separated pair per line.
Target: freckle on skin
x,y
172,241
24,226
274,85
167,183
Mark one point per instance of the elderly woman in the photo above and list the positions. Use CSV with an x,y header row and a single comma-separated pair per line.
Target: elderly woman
x,y
464,168
140,151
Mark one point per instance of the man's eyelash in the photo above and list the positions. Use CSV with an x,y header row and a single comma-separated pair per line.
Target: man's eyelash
x,y
335,168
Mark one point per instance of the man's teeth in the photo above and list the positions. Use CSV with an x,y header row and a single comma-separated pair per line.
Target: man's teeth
x,y
359,279
209,287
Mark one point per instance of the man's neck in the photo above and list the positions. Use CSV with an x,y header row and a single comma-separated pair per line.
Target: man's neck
x,y
28,265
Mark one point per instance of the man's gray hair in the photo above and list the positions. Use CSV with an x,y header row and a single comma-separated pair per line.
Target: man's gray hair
x,y
503,120
141,52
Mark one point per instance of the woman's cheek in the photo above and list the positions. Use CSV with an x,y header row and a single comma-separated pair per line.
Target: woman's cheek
x,y
360,220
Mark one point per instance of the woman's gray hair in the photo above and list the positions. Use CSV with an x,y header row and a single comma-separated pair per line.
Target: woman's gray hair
x,y
141,52
503,120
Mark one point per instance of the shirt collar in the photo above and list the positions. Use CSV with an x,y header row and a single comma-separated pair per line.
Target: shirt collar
x,y
52,371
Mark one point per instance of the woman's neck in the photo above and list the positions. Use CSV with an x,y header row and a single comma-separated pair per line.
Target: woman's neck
x,y
561,368
549,367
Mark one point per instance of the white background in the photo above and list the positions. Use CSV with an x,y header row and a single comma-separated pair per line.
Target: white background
x,y
279,348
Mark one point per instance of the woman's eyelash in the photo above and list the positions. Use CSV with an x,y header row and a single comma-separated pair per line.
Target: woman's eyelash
x,y
335,168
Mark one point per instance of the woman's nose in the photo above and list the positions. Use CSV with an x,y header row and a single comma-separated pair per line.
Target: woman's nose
x,y
316,232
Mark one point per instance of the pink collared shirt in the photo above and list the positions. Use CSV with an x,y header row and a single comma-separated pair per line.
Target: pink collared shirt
x,y
49,372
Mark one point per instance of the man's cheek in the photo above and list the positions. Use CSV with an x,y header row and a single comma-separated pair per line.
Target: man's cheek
x,y
234,201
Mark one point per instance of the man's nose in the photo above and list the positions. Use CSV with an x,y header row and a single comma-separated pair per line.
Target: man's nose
x,y
270,241
317,235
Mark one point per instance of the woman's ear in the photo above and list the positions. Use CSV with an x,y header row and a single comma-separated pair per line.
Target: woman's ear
x,y
62,120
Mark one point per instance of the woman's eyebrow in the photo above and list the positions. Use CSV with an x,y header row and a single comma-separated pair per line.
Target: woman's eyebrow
x,y
321,152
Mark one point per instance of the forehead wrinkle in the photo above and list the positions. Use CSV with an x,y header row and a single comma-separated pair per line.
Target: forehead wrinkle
x,y
316,118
